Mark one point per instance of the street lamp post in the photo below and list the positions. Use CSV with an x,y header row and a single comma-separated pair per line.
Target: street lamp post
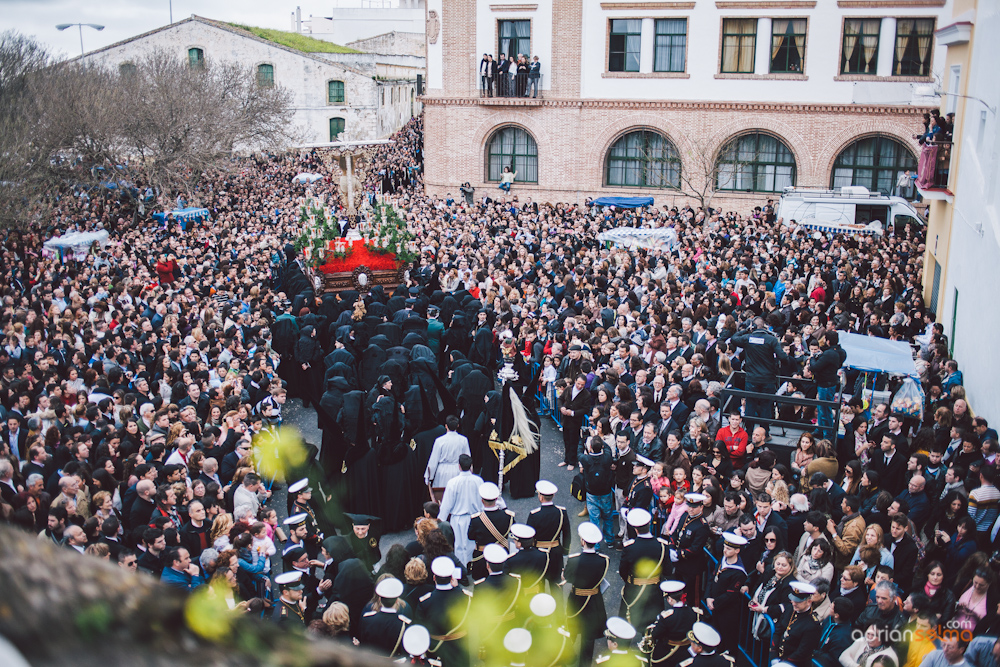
x,y
64,26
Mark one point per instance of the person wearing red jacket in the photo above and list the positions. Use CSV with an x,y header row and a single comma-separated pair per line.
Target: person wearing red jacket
x,y
165,269
736,440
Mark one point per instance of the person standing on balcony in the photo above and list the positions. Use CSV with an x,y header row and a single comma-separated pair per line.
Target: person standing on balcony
x,y
534,73
522,75
502,77
486,67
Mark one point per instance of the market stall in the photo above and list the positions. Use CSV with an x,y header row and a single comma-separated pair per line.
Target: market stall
x,y
74,246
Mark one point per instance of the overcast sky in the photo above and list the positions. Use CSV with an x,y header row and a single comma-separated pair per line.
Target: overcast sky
x,y
125,18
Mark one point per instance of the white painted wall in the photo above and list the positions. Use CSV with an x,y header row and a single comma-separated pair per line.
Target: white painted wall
x,y
488,33
823,47
974,254
350,24
304,76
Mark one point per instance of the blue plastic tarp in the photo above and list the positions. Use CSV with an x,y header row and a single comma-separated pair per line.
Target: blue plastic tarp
x,y
183,215
624,202
867,353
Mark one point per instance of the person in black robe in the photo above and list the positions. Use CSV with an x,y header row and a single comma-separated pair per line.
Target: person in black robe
x,y
361,492
481,351
398,470
308,356
368,370
472,403
333,447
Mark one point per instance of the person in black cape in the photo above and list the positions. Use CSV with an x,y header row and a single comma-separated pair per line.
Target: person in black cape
x,y
361,492
472,402
308,357
397,464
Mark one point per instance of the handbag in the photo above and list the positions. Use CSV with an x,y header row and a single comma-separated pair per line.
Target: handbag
x,y
576,487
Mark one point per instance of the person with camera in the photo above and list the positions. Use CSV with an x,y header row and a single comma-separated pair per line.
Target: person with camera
x,y
824,367
762,353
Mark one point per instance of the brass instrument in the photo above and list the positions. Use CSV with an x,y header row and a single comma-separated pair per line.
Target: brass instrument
x,y
646,644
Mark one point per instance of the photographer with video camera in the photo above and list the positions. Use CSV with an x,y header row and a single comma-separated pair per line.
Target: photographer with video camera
x,y
761,355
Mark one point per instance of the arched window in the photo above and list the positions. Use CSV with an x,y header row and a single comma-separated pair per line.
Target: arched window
x,y
335,92
755,162
127,69
512,147
644,159
874,162
336,127
265,76
196,57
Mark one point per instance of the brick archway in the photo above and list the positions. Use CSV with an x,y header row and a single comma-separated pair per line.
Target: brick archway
x,y
497,121
603,141
795,142
886,128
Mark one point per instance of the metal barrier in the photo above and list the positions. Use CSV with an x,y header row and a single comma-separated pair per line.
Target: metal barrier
x,y
756,649
729,393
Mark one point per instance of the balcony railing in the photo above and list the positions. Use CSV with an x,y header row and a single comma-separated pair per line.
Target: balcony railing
x,y
500,90
933,171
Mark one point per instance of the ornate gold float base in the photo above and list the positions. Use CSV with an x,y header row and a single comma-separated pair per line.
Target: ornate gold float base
x,y
361,279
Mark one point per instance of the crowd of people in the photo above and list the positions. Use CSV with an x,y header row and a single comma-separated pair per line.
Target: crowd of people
x,y
509,77
143,391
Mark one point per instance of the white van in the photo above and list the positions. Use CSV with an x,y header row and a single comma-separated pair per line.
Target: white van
x,y
850,205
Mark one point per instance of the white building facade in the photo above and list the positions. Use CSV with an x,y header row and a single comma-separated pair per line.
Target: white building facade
x,y
963,243
804,81
334,96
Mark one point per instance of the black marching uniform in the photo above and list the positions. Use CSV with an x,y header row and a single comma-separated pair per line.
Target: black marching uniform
x,y
710,660
796,637
551,524
314,537
382,631
689,540
643,562
531,564
445,614
619,658
585,606
288,615
639,494
728,602
669,633
500,592
491,526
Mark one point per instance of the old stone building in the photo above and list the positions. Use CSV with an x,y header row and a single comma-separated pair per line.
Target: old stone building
x,y
337,92
659,97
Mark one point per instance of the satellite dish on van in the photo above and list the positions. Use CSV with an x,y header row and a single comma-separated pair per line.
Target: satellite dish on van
x,y
855,190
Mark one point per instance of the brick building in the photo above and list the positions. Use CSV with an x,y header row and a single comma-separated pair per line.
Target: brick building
x,y
660,98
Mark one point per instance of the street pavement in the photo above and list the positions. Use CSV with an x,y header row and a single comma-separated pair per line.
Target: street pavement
x,y
304,419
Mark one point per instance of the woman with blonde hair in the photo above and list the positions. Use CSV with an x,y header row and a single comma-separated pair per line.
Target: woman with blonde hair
x,y
220,532
338,619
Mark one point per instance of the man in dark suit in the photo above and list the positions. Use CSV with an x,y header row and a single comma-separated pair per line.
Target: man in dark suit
x,y
8,491
679,411
765,517
904,552
15,436
819,480
38,463
666,423
890,466
575,404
